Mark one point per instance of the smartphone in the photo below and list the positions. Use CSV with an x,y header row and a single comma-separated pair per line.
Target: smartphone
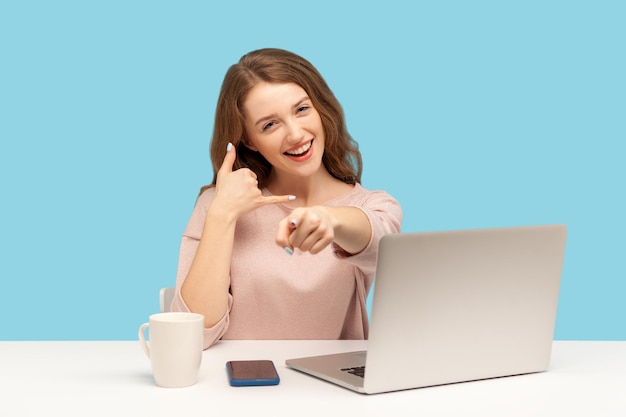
x,y
252,373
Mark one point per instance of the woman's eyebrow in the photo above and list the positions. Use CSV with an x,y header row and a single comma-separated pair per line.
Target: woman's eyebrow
x,y
302,100
265,118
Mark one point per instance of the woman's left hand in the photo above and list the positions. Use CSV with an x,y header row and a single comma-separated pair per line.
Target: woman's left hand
x,y
309,229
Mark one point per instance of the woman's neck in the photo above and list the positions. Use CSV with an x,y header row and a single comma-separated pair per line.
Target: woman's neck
x,y
309,191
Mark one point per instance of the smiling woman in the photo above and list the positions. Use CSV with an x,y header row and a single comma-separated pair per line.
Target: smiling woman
x,y
283,243
285,138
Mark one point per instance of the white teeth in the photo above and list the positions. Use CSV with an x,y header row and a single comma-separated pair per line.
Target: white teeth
x,y
302,149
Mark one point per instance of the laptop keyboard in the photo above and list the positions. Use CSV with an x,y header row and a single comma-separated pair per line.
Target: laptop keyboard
x,y
357,370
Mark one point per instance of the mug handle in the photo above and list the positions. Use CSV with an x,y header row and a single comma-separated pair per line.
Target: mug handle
x,y
142,338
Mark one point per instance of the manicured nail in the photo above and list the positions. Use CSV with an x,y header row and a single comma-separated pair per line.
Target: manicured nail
x,y
292,197
288,250
229,147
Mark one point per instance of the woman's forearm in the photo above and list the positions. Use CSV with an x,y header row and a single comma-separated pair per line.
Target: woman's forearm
x,y
205,289
351,227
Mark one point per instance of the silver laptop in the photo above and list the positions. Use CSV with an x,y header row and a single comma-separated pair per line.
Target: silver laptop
x,y
455,306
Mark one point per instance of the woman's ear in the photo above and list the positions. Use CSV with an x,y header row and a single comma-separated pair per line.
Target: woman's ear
x,y
248,144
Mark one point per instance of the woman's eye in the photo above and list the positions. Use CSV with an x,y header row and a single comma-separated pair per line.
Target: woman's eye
x,y
303,108
268,125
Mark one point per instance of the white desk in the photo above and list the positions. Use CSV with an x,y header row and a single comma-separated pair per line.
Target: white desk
x,y
114,379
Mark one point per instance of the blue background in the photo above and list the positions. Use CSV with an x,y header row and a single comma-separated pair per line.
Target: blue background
x,y
471,113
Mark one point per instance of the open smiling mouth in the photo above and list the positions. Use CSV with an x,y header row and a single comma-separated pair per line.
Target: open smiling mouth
x,y
301,151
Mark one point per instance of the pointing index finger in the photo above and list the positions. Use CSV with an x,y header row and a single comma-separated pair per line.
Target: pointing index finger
x,y
285,229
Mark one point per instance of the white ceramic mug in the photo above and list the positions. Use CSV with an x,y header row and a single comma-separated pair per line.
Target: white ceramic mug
x,y
175,348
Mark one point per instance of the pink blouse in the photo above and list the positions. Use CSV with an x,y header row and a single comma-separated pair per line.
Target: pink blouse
x,y
303,296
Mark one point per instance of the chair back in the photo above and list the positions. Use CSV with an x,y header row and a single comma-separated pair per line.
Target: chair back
x,y
165,298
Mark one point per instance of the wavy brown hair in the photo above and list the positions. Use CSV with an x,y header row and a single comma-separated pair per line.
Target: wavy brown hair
x,y
341,158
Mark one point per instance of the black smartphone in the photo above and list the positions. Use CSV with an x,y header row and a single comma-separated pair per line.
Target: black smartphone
x,y
252,373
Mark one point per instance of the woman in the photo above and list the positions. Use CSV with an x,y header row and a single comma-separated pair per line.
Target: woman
x,y
283,243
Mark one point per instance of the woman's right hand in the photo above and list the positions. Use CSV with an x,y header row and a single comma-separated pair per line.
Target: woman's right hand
x,y
237,192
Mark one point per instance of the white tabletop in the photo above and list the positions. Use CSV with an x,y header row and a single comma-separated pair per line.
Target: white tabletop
x,y
114,379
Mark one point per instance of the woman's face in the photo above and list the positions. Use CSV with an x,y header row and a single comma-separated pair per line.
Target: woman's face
x,y
284,127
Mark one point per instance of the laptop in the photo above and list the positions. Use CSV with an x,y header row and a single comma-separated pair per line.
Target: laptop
x,y
455,306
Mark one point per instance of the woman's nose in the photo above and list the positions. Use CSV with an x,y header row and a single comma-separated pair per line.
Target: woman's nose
x,y
295,132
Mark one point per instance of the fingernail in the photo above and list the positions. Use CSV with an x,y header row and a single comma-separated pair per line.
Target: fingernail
x,y
292,197
229,147
294,222
288,250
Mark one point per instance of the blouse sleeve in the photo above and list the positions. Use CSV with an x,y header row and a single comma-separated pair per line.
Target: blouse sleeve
x,y
188,248
385,216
